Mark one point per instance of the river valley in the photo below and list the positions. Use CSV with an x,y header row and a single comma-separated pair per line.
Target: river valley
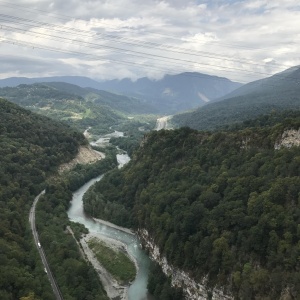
x,y
102,229
138,289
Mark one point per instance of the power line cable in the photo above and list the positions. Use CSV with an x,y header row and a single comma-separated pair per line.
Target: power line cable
x,y
93,56
136,53
133,52
69,18
153,44
127,51
139,44
54,49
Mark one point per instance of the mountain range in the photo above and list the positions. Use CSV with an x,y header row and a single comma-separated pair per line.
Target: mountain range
x,y
77,106
278,92
169,95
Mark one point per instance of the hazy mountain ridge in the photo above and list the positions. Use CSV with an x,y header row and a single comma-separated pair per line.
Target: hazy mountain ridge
x,y
80,107
278,92
172,93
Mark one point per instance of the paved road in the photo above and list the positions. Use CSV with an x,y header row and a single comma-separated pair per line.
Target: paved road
x,y
51,278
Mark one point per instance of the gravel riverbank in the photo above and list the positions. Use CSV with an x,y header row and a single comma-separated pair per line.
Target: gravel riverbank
x,y
113,289
115,226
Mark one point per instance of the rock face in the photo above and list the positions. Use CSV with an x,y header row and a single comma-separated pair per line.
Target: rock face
x,y
288,139
193,290
86,155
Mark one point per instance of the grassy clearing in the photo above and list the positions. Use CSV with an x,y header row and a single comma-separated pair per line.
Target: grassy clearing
x,y
114,261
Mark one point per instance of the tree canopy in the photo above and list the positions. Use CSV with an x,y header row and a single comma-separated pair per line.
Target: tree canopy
x,y
31,148
222,205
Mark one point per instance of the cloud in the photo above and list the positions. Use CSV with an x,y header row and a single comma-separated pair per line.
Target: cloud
x,y
107,39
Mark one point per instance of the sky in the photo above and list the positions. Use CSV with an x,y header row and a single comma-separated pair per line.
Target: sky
x,y
114,39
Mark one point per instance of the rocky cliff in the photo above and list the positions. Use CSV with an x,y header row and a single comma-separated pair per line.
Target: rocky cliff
x,y
288,139
193,290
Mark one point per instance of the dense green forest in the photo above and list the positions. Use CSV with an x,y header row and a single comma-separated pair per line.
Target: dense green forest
x,y
31,148
237,109
222,205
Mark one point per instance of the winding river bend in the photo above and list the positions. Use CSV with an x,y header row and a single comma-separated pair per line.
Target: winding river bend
x,y
138,289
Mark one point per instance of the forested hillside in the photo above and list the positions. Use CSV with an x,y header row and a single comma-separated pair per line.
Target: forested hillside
x,y
76,106
31,147
62,106
276,93
221,205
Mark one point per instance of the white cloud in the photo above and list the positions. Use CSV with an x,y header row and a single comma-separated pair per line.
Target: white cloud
x,y
241,40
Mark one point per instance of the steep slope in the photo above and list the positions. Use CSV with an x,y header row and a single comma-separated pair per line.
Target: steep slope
x,y
279,92
223,207
280,82
31,148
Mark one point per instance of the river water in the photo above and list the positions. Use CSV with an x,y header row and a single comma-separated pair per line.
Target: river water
x,y
138,289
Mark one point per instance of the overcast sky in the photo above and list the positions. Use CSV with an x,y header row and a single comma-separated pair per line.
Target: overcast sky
x,y
107,39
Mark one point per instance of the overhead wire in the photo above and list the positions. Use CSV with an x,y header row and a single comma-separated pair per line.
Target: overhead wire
x,y
69,18
136,53
127,51
124,41
55,49
84,33
103,58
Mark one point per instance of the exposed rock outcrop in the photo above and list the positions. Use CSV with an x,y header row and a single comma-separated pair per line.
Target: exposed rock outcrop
x,y
193,290
288,139
86,155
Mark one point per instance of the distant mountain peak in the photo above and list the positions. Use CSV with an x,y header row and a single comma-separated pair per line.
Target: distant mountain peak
x,y
276,93
171,94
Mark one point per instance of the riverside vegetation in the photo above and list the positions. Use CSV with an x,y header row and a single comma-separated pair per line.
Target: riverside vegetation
x,y
32,149
76,278
222,205
115,261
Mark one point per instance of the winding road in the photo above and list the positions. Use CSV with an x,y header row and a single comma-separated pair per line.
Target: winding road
x,y
51,278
